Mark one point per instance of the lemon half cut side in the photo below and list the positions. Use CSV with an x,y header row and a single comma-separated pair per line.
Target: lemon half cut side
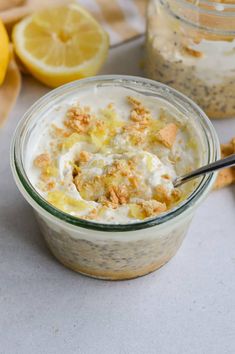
x,y
61,44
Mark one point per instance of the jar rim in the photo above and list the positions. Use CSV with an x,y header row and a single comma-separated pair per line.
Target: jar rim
x,y
221,12
217,7
208,3
38,202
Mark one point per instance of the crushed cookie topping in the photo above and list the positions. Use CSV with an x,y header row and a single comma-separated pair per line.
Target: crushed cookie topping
x,y
78,119
42,160
152,207
167,135
116,184
139,114
225,178
192,52
166,176
133,181
84,156
50,185
228,149
176,194
48,172
122,193
164,196
227,175
91,215
106,173
59,132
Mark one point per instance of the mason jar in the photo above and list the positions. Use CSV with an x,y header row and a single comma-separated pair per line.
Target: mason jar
x,y
191,47
113,251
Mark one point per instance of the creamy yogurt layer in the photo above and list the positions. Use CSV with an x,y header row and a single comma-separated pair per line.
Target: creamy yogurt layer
x,y
110,156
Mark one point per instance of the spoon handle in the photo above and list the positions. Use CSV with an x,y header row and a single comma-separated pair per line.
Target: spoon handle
x,y
214,166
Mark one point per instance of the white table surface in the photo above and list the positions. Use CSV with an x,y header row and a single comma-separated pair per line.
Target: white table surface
x,y
186,307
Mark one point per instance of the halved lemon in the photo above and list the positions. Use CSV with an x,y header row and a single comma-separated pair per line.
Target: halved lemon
x,y
4,52
61,44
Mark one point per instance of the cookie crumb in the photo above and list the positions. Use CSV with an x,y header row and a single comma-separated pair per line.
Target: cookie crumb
x,y
167,135
192,52
227,175
42,160
225,178
152,207
84,156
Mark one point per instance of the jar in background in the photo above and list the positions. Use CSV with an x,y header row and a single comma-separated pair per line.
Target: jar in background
x,y
191,47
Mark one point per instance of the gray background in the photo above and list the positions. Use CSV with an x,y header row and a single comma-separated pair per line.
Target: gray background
x,y
188,306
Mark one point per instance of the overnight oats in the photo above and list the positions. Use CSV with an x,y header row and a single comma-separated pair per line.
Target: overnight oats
x,y
191,47
113,161
98,159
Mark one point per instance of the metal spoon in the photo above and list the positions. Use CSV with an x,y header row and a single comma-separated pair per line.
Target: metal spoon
x,y
228,161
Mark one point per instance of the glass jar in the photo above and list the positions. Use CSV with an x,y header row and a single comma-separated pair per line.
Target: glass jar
x,y
191,47
114,251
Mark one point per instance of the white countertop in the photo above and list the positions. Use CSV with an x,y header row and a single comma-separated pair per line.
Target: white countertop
x,y
186,307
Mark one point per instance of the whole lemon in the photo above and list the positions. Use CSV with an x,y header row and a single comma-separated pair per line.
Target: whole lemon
x,y
4,52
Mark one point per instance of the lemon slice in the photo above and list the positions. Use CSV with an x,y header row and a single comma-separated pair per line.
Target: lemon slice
x,y
4,52
61,44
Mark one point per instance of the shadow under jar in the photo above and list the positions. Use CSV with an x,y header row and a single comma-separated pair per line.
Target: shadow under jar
x,y
191,47
114,251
